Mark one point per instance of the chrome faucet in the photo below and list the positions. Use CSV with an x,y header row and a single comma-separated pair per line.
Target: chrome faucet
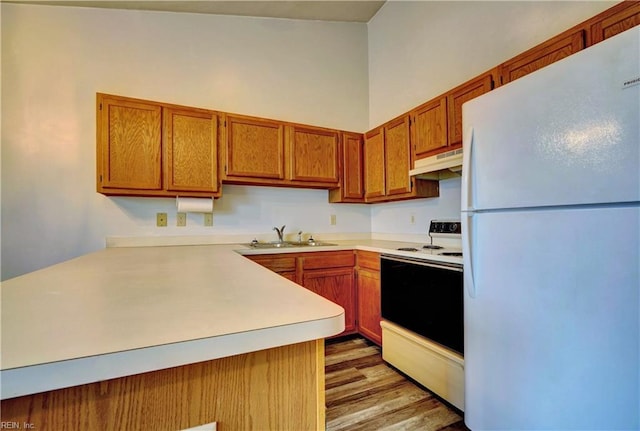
x,y
280,233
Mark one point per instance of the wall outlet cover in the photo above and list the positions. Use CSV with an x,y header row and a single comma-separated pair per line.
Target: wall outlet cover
x,y
161,219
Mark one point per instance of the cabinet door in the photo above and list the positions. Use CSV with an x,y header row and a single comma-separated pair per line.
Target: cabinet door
x,y
617,19
542,55
129,144
397,157
190,139
467,91
254,148
374,165
368,294
369,309
314,155
328,259
352,183
337,286
429,128
282,264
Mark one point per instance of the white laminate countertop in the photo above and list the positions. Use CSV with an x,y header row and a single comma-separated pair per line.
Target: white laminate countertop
x,y
124,311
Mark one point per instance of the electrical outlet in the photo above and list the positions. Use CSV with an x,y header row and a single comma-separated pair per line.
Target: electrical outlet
x,y
412,219
181,219
161,219
208,219
333,219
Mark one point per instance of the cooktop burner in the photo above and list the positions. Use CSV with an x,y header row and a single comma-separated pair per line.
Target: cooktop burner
x,y
432,247
451,253
407,249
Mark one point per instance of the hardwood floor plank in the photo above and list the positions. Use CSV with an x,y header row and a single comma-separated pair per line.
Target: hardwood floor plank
x,y
362,388
363,393
418,419
359,358
350,414
343,377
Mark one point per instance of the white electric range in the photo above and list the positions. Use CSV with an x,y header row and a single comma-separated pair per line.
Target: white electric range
x,y
445,243
422,311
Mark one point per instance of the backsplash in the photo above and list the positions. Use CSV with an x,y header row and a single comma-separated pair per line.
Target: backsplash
x,y
243,212
410,219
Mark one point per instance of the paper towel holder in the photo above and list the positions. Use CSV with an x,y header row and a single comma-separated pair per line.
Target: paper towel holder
x,y
194,205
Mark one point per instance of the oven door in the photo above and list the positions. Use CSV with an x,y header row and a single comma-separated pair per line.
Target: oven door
x,y
424,297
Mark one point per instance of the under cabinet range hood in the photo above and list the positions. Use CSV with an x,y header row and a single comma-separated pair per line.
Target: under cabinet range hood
x,y
439,167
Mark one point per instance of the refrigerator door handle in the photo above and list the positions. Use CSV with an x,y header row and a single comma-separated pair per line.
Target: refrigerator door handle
x,y
467,147
467,254
467,205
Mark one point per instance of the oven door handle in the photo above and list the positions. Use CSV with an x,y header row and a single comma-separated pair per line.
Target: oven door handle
x,y
451,267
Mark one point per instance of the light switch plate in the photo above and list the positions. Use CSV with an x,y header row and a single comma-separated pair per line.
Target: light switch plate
x,y
181,220
208,219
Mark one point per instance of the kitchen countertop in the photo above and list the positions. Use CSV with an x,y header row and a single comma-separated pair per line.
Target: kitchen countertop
x,y
124,311
378,246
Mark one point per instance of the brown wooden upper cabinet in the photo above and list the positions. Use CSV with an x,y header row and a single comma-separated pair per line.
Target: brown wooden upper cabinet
x,y
190,138
374,164
387,160
617,19
268,152
436,126
397,155
140,155
456,97
314,154
429,128
351,187
254,149
542,55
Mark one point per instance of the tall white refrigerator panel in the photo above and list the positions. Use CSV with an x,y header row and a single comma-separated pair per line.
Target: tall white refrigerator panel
x,y
551,245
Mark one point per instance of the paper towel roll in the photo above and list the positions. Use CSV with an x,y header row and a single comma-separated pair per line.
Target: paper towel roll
x,y
194,205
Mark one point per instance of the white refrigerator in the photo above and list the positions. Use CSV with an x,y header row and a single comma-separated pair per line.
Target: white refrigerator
x,y
551,246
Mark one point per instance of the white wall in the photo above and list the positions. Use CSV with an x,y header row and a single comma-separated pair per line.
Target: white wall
x,y
54,60
420,49
342,75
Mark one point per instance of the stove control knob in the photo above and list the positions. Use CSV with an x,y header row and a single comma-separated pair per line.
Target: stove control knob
x,y
453,227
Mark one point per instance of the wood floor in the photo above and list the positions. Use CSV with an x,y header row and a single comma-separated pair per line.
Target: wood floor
x,y
364,393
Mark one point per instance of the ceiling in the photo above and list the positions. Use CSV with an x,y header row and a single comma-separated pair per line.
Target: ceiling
x,y
340,10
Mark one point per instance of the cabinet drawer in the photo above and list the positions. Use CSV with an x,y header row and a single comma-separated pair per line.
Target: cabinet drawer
x,y
368,259
330,259
276,263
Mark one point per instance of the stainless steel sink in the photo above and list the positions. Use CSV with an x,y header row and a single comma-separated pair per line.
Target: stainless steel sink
x,y
314,244
284,244
269,244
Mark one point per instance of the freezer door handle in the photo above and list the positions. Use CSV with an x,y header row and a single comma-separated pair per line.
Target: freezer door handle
x,y
467,254
467,146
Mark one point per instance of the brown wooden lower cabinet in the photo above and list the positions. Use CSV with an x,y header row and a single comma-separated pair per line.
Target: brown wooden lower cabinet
x,y
335,284
368,294
330,274
274,389
350,279
282,264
